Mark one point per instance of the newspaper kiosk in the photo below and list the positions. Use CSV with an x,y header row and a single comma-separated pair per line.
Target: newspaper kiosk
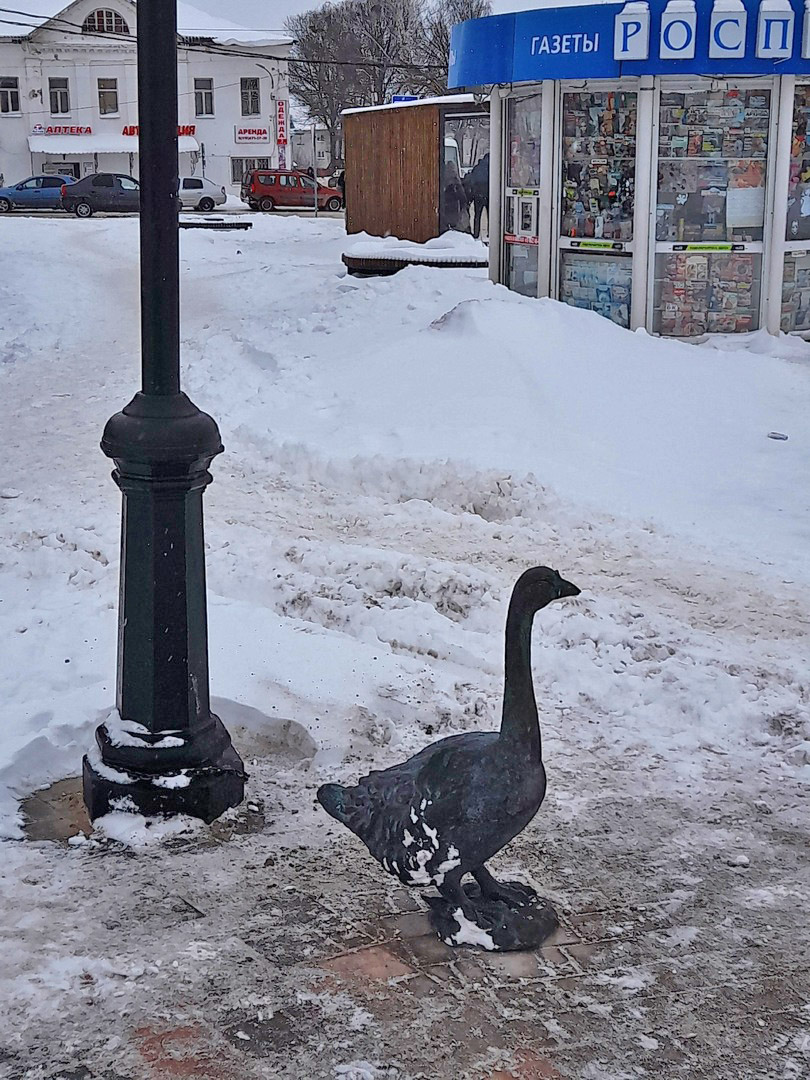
x,y
654,159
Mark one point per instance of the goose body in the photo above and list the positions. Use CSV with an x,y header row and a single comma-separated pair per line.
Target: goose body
x,y
448,809
439,811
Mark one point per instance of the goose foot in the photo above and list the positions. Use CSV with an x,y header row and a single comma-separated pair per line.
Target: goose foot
x,y
464,916
512,893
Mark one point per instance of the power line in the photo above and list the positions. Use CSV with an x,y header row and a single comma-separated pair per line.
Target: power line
x,y
181,94
214,48
78,29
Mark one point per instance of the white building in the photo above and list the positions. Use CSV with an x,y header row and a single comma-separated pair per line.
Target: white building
x,y
68,92
302,148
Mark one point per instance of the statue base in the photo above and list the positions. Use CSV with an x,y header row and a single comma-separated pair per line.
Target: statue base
x,y
201,791
492,924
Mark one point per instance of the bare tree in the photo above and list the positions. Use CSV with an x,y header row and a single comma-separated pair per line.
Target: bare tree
x,y
388,32
324,64
360,52
438,19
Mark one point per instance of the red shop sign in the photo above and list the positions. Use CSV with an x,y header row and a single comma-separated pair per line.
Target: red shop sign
x,y
60,129
183,129
281,123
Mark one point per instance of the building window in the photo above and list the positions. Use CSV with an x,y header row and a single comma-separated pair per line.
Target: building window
x,y
242,165
108,97
60,96
9,95
104,21
251,105
204,97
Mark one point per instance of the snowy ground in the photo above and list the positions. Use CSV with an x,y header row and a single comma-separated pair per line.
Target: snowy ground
x,y
397,451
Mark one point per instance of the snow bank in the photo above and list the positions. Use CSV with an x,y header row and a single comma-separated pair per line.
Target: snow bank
x,y
398,450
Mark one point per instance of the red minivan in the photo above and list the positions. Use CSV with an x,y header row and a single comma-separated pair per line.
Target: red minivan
x,y
265,189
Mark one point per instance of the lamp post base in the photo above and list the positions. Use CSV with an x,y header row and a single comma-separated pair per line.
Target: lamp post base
x,y
204,790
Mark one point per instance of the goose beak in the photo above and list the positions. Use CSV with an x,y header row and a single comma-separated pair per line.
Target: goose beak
x,y
567,589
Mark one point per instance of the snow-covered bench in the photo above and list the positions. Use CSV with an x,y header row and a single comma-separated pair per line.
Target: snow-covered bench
x,y
387,255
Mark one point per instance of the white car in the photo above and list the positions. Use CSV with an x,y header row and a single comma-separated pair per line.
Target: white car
x,y
199,193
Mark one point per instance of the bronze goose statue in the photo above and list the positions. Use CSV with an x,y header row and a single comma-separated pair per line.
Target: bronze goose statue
x,y
442,813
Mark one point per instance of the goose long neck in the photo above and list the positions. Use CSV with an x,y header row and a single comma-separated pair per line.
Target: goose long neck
x,y
520,725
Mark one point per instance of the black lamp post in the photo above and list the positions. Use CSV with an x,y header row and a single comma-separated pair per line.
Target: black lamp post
x,y
165,753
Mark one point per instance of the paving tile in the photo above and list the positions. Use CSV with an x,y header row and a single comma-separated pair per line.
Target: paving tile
x,y
56,813
563,935
528,1066
185,1051
516,965
288,1027
553,962
409,925
426,987
585,952
404,900
469,969
372,963
430,949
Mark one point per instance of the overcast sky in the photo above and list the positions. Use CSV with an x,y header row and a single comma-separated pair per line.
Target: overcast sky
x,y
270,14
261,14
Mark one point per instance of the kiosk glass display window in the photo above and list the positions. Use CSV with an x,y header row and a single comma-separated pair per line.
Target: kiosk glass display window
x,y
597,186
522,198
700,292
795,314
798,216
710,209
712,151
796,292
523,134
600,283
598,164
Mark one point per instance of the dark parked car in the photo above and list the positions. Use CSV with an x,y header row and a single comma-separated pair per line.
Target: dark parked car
x,y
107,192
35,193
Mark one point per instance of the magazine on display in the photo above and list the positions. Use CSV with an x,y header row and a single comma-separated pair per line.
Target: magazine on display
x,y
599,283
599,165
712,146
703,293
796,293
798,220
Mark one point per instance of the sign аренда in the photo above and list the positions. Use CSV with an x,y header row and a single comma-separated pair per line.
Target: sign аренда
x,y
251,134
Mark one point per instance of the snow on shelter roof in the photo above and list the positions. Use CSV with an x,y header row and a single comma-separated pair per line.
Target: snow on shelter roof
x,y
191,23
448,99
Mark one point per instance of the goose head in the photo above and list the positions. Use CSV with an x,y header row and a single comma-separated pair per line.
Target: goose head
x,y
540,585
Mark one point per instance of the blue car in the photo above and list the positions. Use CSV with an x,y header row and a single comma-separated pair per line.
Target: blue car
x,y
35,193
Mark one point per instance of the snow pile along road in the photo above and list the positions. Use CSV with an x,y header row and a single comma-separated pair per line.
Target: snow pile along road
x,y
398,450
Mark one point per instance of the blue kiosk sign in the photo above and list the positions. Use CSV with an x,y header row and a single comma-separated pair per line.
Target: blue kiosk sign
x,y
641,37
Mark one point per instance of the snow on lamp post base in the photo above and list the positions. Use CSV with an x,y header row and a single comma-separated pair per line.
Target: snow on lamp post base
x,y
163,751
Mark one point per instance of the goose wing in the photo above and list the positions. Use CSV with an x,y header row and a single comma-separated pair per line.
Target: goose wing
x,y
414,809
